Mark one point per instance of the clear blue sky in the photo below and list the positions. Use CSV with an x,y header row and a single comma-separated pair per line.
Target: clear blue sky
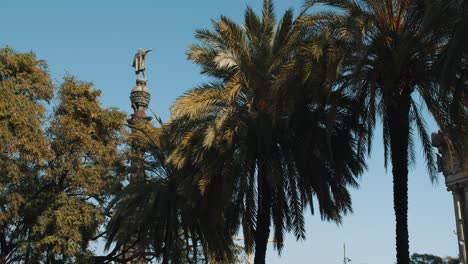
x,y
96,41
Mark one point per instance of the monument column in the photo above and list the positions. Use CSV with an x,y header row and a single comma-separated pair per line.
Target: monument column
x,y
139,97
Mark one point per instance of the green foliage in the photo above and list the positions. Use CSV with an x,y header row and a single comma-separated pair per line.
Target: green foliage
x,y
431,259
25,87
66,225
84,140
56,177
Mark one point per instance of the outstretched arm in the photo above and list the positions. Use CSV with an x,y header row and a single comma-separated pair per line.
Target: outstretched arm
x,y
148,50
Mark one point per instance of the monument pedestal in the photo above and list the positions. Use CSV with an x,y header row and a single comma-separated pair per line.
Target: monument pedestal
x,y
140,98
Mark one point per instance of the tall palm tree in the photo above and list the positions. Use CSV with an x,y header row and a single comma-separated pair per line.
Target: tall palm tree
x,y
252,145
392,46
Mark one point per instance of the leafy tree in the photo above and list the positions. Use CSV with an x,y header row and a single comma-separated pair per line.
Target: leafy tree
x,y
266,156
431,259
56,176
25,86
392,49
425,258
85,170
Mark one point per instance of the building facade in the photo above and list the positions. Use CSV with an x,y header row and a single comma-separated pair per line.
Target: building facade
x,y
455,171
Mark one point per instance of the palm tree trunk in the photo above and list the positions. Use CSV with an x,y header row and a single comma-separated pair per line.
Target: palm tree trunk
x,y
398,124
262,231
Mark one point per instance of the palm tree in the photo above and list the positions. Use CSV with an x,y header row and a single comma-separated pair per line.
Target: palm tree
x,y
392,48
252,146
144,215
158,215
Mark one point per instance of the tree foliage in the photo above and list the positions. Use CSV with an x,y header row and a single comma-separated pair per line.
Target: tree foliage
x,y
283,126
56,174
25,87
431,259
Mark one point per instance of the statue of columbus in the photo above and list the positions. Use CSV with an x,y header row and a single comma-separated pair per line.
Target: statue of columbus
x,y
139,62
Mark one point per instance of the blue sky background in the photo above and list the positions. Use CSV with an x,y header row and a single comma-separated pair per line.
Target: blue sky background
x,y
96,41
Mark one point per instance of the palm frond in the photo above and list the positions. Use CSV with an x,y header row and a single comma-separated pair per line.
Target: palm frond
x,y
268,19
198,101
426,143
233,36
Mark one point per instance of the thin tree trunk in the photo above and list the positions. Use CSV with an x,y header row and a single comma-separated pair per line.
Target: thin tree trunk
x,y
398,122
262,231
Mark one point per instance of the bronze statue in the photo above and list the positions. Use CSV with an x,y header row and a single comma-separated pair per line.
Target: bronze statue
x,y
139,62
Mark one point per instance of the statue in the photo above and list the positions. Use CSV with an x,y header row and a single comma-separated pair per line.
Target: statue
x,y
139,62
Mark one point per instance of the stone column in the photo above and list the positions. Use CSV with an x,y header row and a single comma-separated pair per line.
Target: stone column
x,y
140,98
459,201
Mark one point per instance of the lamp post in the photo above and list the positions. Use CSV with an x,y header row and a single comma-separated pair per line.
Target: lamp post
x,y
345,259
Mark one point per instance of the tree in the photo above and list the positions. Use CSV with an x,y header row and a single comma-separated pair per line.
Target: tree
x,y
56,176
158,215
392,48
245,149
425,258
25,87
84,172
431,259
